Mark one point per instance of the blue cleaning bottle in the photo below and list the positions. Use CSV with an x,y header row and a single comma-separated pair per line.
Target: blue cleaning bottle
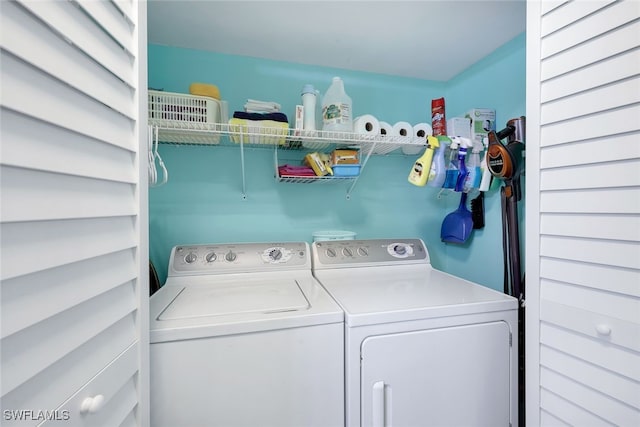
x,y
475,175
463,171
453,171
438,168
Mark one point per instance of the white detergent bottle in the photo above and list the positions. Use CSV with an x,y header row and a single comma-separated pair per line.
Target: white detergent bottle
x,y
438,169
336,108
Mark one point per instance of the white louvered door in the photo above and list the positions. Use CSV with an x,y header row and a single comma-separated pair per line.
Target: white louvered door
x,y
74,251
583,213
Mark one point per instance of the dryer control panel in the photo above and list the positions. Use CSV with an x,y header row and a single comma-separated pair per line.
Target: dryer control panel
x,y
340,253
238,258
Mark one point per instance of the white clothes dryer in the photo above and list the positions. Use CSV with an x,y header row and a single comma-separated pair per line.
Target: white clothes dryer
x,y
243,335
422,347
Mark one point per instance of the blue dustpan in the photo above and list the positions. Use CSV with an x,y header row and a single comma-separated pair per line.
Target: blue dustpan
x,y
457,226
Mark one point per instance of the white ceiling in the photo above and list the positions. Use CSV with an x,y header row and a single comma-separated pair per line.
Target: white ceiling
x,y
433,40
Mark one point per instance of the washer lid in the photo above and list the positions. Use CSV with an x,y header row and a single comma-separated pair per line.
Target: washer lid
x,y
236,298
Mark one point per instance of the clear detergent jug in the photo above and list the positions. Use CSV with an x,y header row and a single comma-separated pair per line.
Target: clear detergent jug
x,y
336,108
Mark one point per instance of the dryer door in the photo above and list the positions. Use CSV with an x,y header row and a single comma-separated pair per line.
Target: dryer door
x,y
450,376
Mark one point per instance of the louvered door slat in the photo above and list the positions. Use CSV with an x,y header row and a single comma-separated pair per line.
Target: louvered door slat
x,y
57,103
590,52
111,19
73,25
47,147
29,299
56,56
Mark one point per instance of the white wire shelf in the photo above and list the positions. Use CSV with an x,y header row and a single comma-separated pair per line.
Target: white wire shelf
x,y
183,132
314,179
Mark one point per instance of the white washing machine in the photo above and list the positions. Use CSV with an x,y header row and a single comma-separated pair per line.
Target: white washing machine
x,y
243,335
422,347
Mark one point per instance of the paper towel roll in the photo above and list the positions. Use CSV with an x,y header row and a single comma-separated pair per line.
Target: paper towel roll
x,y
402,129
419,133
422,130
386,129
366,125
405,129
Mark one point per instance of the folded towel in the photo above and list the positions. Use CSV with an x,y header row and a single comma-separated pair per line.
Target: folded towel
x,y
255,106
204,89
289,170
276,117
258,131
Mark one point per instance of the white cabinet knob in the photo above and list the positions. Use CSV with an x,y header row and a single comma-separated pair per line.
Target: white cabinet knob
x,y
92,405
603,329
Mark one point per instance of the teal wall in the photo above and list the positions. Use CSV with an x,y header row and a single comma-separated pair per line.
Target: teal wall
x,y
497,81
202,202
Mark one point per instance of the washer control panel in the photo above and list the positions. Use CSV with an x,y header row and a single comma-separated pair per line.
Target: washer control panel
x,y
238,257
353,252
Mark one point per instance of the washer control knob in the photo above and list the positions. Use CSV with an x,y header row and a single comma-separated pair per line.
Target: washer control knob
x,y
210,257
331,252
230,256
275,254
400,249
190,258
362,251
347,252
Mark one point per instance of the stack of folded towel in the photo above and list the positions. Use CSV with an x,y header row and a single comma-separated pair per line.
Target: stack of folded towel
x,y
255,106
276,117
289,170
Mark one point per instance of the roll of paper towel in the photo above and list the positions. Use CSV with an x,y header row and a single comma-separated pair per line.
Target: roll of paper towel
x,y
420,133
402,129
366,125
386,129
422,130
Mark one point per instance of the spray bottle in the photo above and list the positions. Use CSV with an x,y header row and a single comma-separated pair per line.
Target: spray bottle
x,y
463,144
453,167
473,165
438,168
421,168
485,182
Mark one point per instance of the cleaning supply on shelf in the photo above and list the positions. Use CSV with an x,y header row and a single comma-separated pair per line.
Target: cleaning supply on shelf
x,y
474,176
453,171
438,117
459,126
483,120
487,177
204,89
319,165
337,108
419,174
344,156
464,144
462,168
438,169
309,95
